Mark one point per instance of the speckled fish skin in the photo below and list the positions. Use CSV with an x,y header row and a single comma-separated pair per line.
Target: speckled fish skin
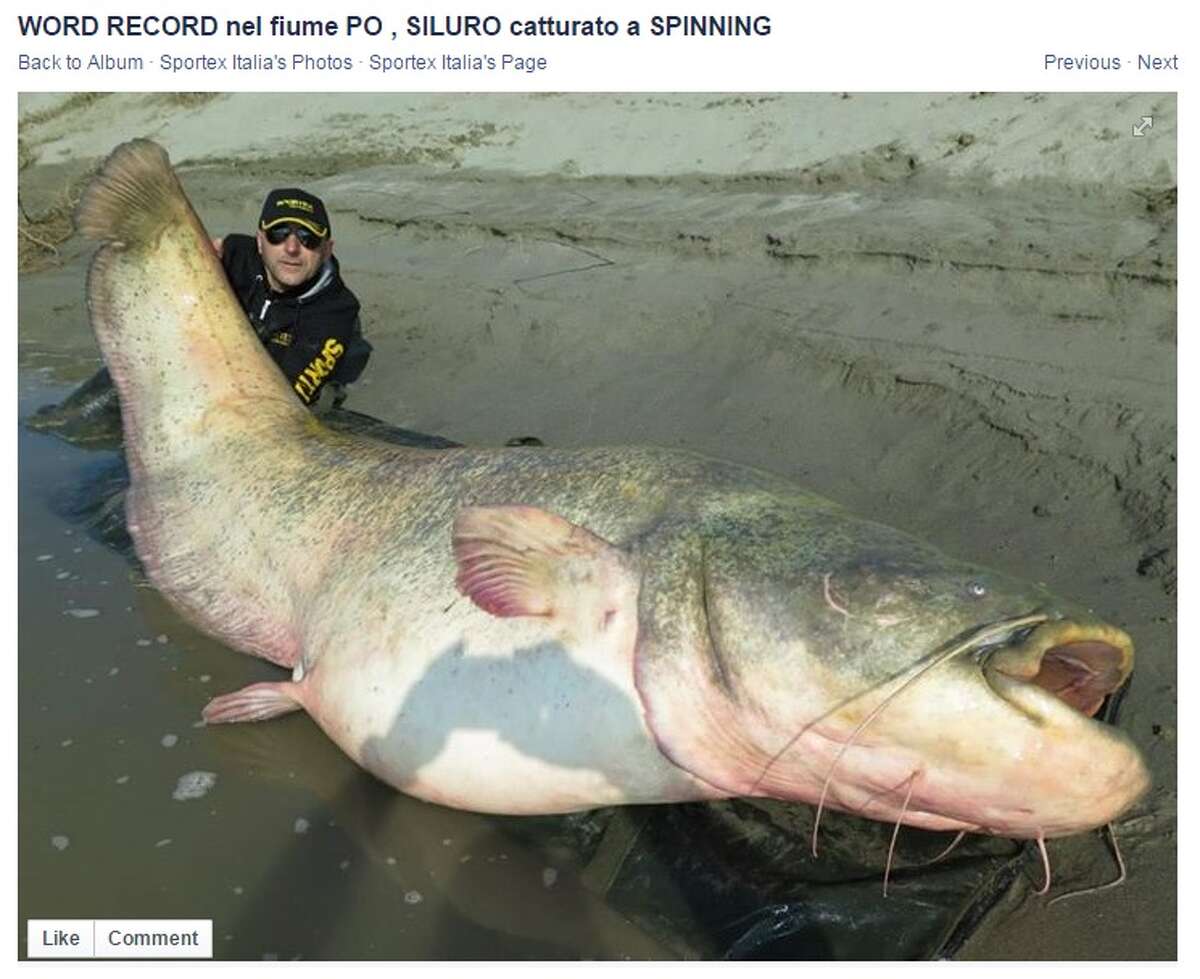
x,y
539,631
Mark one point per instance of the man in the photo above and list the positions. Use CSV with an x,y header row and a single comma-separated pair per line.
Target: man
x,y
289,284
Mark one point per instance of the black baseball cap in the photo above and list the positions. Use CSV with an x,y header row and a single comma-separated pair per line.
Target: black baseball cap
x,y
291,205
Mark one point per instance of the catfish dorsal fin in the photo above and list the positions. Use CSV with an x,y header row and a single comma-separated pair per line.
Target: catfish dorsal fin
x,y
521,560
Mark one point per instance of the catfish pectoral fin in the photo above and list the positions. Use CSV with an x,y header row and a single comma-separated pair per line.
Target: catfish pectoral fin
x,y
522,560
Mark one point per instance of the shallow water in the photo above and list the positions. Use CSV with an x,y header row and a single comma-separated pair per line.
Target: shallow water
x,y
131,808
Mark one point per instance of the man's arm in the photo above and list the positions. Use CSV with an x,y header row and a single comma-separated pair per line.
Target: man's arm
x,y
336,357
307,378
354,361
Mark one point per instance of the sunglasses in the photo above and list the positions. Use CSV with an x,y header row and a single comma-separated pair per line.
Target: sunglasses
x,y
278,234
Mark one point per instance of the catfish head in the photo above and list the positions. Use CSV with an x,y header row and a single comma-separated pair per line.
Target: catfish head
x,y
804,654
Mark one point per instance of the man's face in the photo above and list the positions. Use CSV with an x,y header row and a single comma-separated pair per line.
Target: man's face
x,y
289,263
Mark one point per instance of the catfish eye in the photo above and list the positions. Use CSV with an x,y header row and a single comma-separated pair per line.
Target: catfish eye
x,y
976,589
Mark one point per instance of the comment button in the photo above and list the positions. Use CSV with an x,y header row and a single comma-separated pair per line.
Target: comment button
x,y
104,938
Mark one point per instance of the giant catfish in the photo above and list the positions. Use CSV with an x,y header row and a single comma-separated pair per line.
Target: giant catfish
x,y
541,631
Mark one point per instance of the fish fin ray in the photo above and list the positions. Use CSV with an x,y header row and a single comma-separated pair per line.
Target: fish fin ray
x,y
522,560
135,196
257,702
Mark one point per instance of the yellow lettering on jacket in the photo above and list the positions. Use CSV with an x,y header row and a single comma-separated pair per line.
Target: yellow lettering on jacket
x,y
313,376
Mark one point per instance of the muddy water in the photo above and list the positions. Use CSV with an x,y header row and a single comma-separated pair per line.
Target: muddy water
x,y
130,808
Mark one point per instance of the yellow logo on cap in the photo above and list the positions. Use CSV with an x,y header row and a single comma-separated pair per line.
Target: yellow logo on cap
x,y
291,202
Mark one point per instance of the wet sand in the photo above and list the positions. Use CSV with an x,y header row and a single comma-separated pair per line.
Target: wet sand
x,y
955,314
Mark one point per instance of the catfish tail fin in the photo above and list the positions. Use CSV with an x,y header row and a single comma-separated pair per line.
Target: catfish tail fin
x,y
134,196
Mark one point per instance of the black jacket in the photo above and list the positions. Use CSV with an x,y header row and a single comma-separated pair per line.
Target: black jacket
x,y
312,331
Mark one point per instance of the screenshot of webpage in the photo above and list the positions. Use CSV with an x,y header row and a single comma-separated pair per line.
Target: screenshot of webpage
x,y
617,485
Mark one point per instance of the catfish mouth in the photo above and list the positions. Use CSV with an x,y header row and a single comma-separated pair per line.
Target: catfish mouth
x,y
1078,664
